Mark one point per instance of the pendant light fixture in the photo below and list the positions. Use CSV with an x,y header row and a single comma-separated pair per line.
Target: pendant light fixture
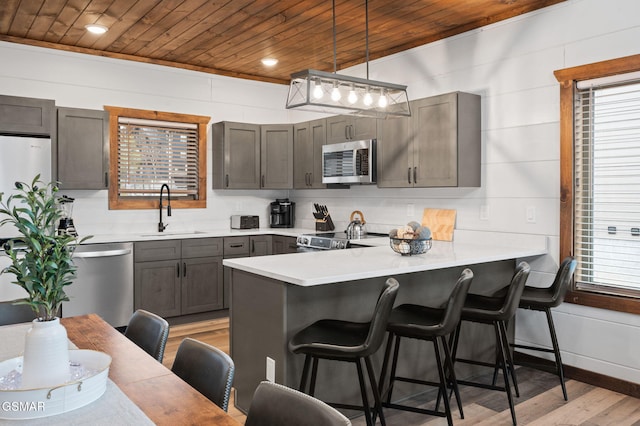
x,y
320,91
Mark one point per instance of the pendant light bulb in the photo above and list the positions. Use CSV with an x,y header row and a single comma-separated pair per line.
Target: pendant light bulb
x,y
317,90
367,100
352,98
382,101
335,93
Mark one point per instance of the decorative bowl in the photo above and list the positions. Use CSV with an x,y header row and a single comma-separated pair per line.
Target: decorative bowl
x,y
87,382
410,246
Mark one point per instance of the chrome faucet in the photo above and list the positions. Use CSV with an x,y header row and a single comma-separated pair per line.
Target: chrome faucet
x,y
161,226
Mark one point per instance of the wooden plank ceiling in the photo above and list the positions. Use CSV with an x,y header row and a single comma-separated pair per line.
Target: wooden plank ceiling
x,y
230,37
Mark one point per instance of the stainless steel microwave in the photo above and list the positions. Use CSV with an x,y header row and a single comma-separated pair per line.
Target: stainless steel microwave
x,y
349,162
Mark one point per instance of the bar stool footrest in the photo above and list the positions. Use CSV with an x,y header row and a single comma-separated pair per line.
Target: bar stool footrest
x,y
414,409
481,385
417,381
533,348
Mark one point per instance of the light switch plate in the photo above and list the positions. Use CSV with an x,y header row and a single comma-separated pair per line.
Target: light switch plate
x,y
531,214
271,369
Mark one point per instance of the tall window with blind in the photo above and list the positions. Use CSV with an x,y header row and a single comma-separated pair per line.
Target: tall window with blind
x,y
154,148
607,188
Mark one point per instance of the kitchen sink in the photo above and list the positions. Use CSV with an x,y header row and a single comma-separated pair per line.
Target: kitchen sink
x,y
172,234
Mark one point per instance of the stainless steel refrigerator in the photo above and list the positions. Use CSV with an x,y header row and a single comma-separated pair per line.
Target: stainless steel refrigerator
x,y
21,159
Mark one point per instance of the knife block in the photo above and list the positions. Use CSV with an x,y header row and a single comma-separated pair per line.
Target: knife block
x,y
325,224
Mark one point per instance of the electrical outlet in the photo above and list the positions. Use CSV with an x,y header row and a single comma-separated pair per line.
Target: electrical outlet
x,y
271,369
531,214
411,210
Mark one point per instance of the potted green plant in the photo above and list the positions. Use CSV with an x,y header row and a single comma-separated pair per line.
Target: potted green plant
x,y
42,263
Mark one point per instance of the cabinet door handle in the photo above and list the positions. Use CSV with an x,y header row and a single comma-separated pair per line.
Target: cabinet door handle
x,y
415,175
184,269
409,175
226,180
106,179
262,182
253,246
178,269
310,179
236,245
346,132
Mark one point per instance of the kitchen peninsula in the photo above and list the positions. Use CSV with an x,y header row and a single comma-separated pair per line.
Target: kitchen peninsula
x,y
274,297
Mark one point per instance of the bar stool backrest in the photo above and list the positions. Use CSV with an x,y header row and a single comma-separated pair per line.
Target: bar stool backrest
x,y
561,283
514,292
453,309
378,327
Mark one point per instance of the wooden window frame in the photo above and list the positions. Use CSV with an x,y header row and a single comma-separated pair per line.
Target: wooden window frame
x,y
118,203
568,78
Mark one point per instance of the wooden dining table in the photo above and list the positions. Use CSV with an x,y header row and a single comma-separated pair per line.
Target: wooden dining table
x,y
163,396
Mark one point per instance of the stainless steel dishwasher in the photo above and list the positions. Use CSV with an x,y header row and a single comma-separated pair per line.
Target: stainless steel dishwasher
x,y
104,283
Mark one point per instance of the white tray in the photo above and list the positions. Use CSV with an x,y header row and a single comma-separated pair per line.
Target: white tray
x,y
43,402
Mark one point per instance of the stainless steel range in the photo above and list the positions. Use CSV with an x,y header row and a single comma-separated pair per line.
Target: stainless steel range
x,y
328,241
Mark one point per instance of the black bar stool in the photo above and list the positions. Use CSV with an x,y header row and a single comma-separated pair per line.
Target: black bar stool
x,y
428,324
543,299
495,310
347,341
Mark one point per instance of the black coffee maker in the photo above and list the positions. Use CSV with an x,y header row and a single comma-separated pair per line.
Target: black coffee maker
x,y
282,213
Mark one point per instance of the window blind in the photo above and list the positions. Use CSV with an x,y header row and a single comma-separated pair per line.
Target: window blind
x,y
607,189
152,153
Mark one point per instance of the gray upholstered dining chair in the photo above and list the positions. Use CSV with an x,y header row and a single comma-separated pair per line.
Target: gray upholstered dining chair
x,y
207,369
149,331
278,405
15,314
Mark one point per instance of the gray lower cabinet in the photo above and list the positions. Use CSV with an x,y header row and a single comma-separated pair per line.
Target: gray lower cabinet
x,y
178,277
250,156
83,148
283,244
308,137
341,128
245,246
27,116
438,146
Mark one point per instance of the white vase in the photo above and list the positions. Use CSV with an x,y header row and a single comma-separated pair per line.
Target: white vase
x,y
46,355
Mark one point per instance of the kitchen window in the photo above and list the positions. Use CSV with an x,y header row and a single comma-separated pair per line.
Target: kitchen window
x,y
600,182
154,148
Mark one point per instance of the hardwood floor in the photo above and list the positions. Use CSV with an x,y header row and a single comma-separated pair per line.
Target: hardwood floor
x,y
540,401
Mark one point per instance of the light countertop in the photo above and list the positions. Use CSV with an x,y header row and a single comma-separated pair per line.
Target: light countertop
x,y
204,233
324,267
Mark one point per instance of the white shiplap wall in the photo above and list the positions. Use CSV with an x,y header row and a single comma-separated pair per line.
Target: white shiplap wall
x,y
510,64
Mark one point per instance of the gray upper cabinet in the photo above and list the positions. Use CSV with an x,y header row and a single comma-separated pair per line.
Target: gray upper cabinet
x,y
83,148
307,167
249,156
440,143
276,156
341,128
395,153
236,155
26,116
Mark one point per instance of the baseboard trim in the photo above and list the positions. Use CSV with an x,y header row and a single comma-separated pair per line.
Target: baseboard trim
x,y
585,376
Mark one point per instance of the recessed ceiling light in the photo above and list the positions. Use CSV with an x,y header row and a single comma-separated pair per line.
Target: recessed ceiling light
x,y
269,62
96,29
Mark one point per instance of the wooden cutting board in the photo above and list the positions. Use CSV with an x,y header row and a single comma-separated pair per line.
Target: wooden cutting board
x,y
441,222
